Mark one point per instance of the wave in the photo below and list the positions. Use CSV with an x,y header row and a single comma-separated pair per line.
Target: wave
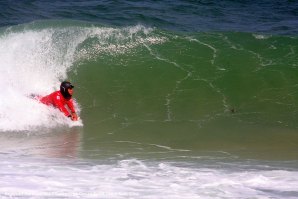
x,y
143,74
35,57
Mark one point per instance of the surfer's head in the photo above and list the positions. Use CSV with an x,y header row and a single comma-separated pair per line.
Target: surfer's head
x,y
65,89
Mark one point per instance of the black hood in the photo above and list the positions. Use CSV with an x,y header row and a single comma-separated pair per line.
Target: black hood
x,y
64,89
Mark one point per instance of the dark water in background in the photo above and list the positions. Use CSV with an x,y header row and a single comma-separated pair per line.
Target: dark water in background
x,y
178,99
271,17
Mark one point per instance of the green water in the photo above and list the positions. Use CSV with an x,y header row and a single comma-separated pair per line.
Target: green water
x,y
146,89
231,92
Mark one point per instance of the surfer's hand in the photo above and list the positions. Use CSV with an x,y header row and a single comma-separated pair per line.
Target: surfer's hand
x,y
74,117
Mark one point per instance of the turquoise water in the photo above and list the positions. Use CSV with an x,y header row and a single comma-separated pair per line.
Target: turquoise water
x,y
172,108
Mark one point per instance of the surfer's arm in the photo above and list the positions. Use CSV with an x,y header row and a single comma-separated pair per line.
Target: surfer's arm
x,y
70,105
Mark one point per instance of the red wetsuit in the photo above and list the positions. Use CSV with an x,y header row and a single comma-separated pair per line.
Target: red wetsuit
x,y
57,100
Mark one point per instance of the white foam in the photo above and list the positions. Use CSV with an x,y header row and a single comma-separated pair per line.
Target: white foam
x,y
30,62
132,178
258,36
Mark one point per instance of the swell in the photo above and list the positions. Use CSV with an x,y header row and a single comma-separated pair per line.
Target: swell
x,y
148,74
196,77
231,92
218,91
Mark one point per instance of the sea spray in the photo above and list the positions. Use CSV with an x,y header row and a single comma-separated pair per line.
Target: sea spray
x,y
35,59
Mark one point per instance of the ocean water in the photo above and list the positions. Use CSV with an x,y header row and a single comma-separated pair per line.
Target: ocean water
x,y
177,99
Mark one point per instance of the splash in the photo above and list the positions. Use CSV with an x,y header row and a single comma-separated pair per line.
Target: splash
x,y
35,60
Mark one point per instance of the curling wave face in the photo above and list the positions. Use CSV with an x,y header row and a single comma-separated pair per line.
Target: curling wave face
x,y
35,59
137,80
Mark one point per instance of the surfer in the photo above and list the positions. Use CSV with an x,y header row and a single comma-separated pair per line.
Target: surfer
x,y
61,98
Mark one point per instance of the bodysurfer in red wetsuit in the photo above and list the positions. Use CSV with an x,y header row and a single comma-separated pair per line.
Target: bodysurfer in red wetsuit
x,y
61,98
